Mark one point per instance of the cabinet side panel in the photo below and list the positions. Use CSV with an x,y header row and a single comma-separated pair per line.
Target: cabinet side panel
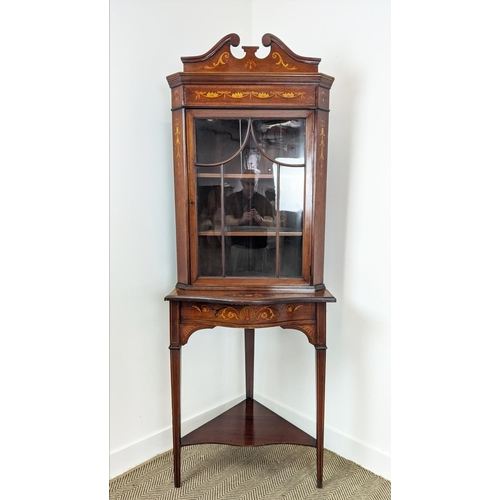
x,y
181,196
319,197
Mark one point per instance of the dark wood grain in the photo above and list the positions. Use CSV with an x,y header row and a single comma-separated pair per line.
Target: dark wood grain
x,y
280,86
242,296
249,361
283,85
248,424
281,59
175,380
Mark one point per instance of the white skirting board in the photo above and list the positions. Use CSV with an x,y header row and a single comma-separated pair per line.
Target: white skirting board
x,y
347,447
131,456
374,460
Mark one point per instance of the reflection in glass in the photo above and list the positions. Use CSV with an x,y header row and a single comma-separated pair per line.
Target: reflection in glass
x,y
210,201
237,233
218,140
281,138
291,207
248,215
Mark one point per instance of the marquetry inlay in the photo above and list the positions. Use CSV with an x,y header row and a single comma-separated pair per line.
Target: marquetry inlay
x,y
281,89
177,140
250,63
248,313
220,61
282,63
322,135
309,330
291,308
176,98
248,94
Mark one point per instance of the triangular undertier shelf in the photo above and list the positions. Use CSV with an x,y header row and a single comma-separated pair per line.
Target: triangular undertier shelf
x,y
248,424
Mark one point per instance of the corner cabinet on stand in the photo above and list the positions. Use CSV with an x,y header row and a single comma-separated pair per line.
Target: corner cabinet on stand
x,y
250,141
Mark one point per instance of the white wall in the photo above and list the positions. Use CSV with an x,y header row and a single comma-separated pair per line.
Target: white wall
x,y
147,40
352,37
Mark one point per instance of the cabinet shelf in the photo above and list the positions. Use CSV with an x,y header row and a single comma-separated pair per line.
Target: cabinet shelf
x,y
250,233
217,175
248,424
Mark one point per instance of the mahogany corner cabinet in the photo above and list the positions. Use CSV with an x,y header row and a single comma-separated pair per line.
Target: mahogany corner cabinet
x,y
250,139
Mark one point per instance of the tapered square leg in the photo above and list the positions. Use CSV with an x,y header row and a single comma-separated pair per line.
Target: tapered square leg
x,y
320,388
320,411
175,378
175,364
249,361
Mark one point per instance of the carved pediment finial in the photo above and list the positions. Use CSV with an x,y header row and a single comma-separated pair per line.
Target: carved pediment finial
x,y
280,59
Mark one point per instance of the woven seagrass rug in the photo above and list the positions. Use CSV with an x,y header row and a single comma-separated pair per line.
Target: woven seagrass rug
x,y
212,471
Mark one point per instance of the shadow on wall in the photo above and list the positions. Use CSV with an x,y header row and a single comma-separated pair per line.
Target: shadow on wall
x,y
344,365
342,104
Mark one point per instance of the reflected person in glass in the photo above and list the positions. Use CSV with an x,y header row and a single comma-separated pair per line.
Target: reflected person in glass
x,y
248,211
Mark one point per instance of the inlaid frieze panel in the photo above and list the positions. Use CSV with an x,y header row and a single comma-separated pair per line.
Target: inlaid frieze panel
x,y
257,96
246,315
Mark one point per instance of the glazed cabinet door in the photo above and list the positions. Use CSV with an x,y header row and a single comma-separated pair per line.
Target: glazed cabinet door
x,y
249,175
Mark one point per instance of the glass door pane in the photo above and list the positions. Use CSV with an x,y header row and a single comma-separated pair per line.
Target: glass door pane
x,y
291,207
250,189
218,141
209,205
250,220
